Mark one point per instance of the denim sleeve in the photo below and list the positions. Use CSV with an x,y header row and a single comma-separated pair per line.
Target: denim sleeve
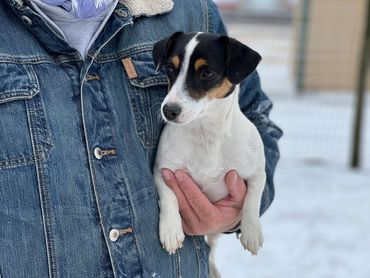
x,y
256,106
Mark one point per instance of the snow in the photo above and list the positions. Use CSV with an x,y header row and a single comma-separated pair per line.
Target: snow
x,y
319,223
318,226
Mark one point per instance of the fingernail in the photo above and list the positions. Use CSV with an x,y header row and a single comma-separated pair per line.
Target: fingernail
x,y
166,175
234,176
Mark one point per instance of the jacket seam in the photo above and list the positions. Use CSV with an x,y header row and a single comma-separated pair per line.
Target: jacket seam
x,y
178,265
90,162
13,162
206,12
106,58
100,59
25,60
133,103
45,206
197,254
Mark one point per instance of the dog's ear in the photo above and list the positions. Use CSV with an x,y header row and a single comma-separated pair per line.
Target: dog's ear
x,y
162,49
241,60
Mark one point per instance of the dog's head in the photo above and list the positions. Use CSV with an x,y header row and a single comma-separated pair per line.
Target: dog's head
x,y
201,67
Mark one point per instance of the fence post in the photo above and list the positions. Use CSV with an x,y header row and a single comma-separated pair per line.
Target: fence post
x,y
360,90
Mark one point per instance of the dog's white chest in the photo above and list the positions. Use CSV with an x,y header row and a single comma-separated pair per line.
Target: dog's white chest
x,y
203,159
208,170
213,186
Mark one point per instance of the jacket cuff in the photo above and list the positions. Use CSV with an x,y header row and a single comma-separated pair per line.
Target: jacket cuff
x,y
236,230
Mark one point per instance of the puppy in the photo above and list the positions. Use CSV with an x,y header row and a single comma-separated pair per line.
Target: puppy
x,y
207,135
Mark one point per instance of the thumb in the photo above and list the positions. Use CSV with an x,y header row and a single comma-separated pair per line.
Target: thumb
x,y
236,186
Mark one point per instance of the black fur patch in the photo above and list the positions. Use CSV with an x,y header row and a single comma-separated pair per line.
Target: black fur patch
x,y
225,58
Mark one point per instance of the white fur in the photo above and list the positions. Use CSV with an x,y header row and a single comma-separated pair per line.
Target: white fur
x,y
213,138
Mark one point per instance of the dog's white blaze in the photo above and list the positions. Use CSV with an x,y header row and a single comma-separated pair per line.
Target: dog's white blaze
x,y
178,93
178,89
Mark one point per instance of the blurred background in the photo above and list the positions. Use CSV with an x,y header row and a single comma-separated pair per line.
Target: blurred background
x,y
314,70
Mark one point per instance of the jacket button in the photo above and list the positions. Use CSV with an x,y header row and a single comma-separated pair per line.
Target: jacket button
x,y
113,235
98,153
26,20
122,13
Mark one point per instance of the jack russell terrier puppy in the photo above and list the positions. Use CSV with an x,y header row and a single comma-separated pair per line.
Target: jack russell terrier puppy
x,y
207,135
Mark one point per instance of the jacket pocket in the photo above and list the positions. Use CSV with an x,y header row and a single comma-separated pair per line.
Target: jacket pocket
x,y
24,132
146,91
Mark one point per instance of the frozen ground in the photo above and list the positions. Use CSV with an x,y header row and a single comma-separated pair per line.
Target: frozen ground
x,y
319,223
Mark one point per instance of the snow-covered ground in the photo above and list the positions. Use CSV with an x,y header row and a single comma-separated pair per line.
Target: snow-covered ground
x,y
317,227
319,223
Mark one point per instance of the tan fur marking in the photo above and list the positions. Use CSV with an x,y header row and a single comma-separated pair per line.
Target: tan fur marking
x,y
221,90
200,62
176,61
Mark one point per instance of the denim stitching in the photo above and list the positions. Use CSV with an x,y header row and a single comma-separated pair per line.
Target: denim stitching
x,y
149,81
25,59
10,95
16,94
43,194
45,141
197,254
206,17
134,111
13,162
178,264
119,55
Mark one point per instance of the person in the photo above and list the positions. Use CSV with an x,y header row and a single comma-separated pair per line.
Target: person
x,y
79,126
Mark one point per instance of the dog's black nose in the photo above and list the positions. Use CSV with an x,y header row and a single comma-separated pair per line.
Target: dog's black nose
x,y
171,111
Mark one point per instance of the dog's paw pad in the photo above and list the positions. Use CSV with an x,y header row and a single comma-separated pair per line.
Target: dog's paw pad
x,y
171,237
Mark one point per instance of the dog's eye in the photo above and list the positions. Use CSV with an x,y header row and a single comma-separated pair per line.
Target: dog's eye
x,y
170,69
207,75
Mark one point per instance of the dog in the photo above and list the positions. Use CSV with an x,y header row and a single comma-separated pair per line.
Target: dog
x,y
207,135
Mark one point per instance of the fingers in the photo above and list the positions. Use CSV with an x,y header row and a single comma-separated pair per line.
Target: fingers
x,y
185,209
237,189
187,230
199,215
236,186
195,197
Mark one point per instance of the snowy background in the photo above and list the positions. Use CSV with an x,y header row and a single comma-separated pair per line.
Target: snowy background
x,y
319,223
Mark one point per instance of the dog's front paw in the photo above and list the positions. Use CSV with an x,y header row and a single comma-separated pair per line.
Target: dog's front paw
x,y
171,233
251,236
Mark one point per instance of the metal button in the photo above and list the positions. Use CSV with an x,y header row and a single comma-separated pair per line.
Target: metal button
x,y
26,20
113,235
122,13
90,77
98,153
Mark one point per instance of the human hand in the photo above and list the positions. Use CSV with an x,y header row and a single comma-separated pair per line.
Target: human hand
x,y
199,215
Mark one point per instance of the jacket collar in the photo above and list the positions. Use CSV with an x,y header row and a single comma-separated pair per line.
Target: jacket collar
x,y
137,7
148,7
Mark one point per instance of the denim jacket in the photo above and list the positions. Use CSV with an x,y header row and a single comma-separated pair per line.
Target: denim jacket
x,y
77,145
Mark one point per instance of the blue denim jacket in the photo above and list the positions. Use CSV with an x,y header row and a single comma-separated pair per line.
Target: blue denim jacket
x,y
77,145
